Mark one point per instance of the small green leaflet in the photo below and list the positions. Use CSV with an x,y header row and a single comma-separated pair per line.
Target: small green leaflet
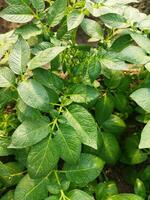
x,y
19,56
10,173
9,195
7,77
103,108
74,19
115,125
81,93
48,79
16,14
82,121
39,5
113,2
145,23
142,98
28,30
139,188
125,197
131,154
42,158
93,29
31,189
106,189
142,41
79,195
34,94
110,150
68,143
25,112
56,12
114,64
17,2
114,20
29,133
86,170
94,10
145,137
147,66
44,57
4,143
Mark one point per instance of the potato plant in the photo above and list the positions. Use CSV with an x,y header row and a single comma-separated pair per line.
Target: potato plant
x,y
71,111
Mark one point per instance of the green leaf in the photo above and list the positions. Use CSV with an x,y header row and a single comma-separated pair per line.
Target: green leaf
x,y
39,5
82,121
25,112
17,2
94,69
113,78
133,15
48,79
81,93
31,189
16,14
139,188
134,54
30,133
7,77
142,98
93,29
21,156
142,41
34,94
145,23
28,31
68,142
74,19
145,137
10,173
114,20
120,101
112,2
147,66
42,158
92,7
79,194
57,12
4,143
8,196
7,96
19,56
44,57
106,189
103,108
86,170
110,150
40,47
113,64
131,154
125,197
115,125
121,42
144,174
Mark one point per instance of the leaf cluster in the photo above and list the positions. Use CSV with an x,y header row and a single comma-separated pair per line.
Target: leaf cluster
x,y
71,111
